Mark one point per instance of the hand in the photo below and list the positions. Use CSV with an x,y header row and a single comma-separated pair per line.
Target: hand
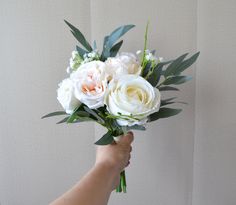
x,y
116,156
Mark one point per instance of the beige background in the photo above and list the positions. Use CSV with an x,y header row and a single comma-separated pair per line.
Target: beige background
x,y
184,160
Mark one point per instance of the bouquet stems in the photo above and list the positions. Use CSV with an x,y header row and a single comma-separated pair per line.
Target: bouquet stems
x,y
122,185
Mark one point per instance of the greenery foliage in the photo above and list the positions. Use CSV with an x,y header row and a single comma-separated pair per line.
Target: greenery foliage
x,y
163,75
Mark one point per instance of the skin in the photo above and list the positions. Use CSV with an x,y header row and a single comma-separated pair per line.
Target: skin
x,y
96,186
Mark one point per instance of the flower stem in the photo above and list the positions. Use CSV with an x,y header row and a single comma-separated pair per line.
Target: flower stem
x,y
122,186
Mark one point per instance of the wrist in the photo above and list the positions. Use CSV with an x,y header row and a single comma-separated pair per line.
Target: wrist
x,y
111,172
107,166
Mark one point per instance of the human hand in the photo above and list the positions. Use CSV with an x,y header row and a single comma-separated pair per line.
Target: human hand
x,y
116,156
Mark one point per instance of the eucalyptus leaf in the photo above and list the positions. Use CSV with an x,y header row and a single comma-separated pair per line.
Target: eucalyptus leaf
x,y
187,63
112,38
176,80
79,36
105,51
93,113
164,113
155,76
105,139
117,33
82,119
174,65
168,88
63,120
115,49
167,103
54,114
72,118
136,127
94,45
172,102
168,99
146,69
82,113
81,51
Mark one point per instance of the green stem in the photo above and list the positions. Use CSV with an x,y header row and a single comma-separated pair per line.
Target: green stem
x,y
145,47
122,184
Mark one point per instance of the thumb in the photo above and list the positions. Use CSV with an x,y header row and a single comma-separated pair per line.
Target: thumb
x,y
126,139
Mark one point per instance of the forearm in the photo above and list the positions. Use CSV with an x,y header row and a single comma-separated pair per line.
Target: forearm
x,y
93,189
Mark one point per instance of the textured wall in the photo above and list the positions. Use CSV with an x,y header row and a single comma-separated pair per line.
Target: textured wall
x,y
38,159
215,137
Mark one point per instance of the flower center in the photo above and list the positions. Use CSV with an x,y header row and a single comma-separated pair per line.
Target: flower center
x,y
92,88
137,93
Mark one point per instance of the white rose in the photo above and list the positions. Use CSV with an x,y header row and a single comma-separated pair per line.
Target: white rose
x,y
124,63
132,97
65,95
90,82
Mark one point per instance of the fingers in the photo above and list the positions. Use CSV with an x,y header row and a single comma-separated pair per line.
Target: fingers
x,y
127,139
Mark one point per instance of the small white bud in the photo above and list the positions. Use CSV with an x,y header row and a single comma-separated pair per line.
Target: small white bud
x,y
93,55
74,53
68,70
71,62
138,52
149,56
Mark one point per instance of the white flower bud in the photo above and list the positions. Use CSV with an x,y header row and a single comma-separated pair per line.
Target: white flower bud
x,y
68,70
74,53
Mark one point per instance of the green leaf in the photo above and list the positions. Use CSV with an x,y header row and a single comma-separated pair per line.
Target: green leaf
x,y
115,49
145,44
81,51
176,80
81,113
93,113
54,114
187,63
117,33
82,119
169,101
79,36
105,139
72,118
167,62
164,113
174,65
136,127
105,52
155,76
168,88
63,120
77,112
146,69
112,38
94,45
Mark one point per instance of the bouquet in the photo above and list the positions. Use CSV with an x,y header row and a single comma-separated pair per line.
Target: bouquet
x,y
120,91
